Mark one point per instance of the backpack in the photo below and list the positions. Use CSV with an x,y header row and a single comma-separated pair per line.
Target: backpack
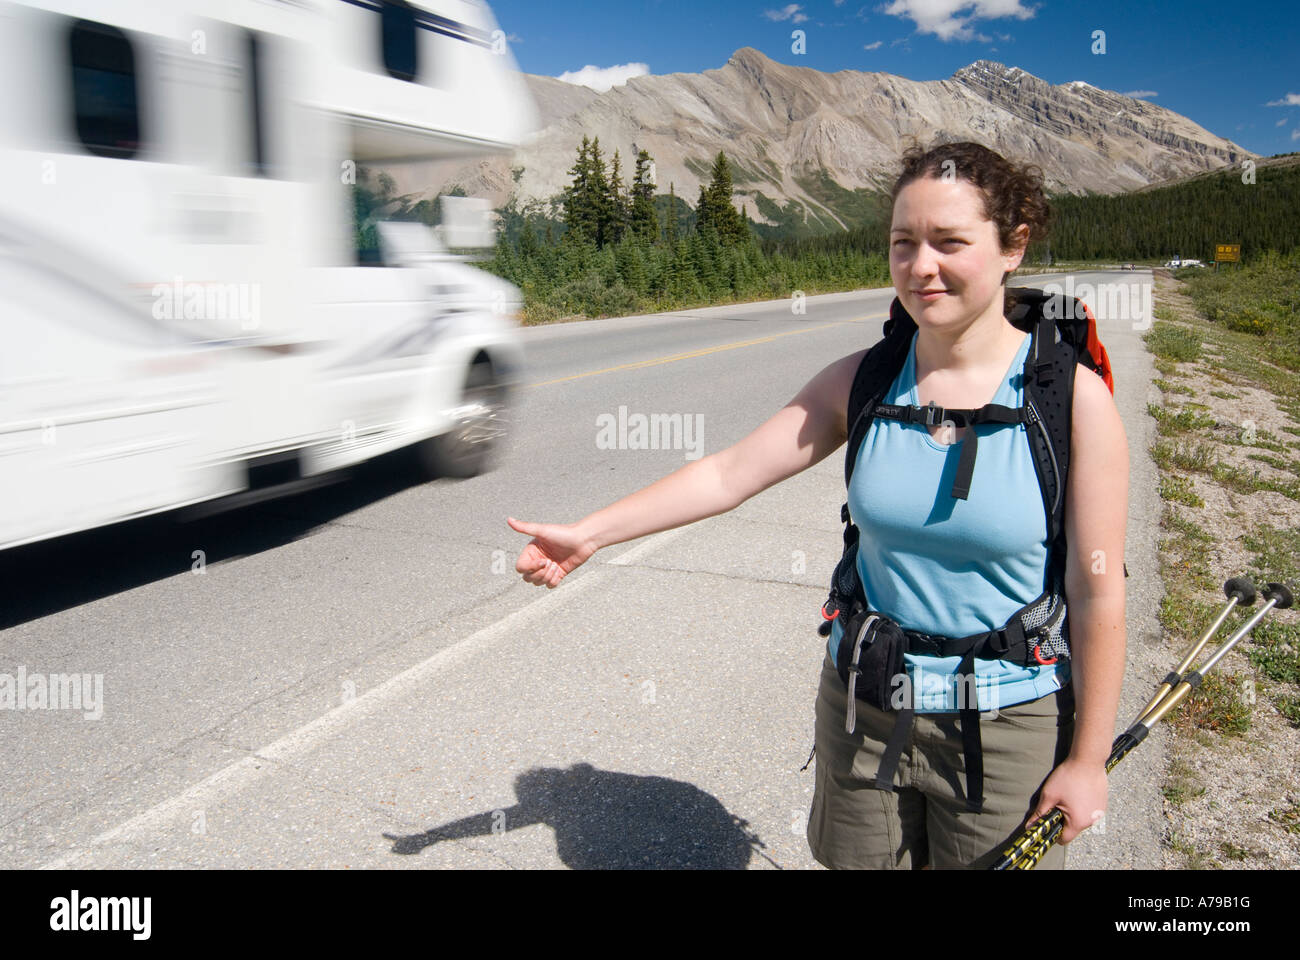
x,y
1064,333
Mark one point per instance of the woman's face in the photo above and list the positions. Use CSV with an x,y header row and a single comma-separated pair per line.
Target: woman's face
x,y
944,255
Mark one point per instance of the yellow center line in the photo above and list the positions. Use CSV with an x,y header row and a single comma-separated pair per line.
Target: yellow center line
x,y
707,350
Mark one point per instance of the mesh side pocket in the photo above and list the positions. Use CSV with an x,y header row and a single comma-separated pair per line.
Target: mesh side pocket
x,y
1058,639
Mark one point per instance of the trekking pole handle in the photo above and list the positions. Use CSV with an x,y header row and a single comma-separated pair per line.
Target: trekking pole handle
x,y
1275,599
1238,590
1278,596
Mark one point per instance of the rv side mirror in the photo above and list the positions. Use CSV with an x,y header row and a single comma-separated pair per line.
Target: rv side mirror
x,y
404,243
466,222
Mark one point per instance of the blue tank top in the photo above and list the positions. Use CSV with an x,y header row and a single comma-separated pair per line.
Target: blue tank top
x,y
952,567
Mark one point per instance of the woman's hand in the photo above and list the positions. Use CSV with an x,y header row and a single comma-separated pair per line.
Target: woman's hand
x,y
1079,788
555,551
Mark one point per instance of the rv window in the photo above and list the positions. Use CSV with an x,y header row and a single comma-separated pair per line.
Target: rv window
x,y
398,21
103,90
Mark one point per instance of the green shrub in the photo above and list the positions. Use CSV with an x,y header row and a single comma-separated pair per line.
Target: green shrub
x,y
1170,342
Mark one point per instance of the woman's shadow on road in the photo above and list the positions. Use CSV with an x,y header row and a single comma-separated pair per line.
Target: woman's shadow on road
x,y
612,821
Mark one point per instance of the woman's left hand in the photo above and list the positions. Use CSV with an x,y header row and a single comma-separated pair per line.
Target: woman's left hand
x,y
1079,788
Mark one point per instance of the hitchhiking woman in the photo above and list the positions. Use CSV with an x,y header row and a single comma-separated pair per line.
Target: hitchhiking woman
x,y
941,560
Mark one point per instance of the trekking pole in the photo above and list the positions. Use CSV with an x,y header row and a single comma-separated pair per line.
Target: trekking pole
x,y
1029,847
1238,590
1047,832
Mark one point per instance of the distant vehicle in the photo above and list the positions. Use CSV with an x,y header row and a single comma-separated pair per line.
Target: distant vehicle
x,y
185,312
1129,266
1178,263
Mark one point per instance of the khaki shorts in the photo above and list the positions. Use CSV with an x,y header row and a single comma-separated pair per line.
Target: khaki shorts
x,y
924,822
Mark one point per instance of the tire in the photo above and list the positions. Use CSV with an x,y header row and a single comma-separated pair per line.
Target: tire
x,y
470,446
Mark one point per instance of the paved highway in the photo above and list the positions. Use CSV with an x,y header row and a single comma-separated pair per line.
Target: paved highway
x,y
356,677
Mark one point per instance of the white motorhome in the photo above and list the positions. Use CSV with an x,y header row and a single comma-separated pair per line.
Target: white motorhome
x,y
185,312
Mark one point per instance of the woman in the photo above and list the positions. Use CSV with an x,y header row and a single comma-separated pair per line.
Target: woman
x,y
962,218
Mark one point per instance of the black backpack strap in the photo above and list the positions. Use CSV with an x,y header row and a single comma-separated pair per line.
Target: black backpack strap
x,y
894,749
971,747
876,371
1049,376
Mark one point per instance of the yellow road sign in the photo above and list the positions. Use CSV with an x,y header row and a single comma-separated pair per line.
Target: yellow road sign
x,y
1227,251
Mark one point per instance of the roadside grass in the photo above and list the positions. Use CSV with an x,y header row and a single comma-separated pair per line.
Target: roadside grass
x,y
1222,704
1288,704
1182,455
1275,552
1288,817
1243,459
1275,651
1168,386
1248,437
1241,363
1195,859
1240,481
1176,423
1179,490
1171,342
1183,783
1231,851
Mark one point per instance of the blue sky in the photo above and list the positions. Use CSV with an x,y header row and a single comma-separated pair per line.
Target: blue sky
x,y
1234,68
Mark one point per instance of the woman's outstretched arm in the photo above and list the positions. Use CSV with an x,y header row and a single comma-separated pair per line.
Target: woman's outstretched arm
x,y
804,432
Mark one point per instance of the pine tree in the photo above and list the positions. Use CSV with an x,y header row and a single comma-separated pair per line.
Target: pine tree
x,y
671,227
704,212
577,212
643,221
598,201
618,203
722,215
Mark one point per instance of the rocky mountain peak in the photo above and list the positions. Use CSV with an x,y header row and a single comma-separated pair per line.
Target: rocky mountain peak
x,y
750,59
814,146
986,67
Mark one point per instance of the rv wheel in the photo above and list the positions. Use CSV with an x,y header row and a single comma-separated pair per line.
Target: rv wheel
x,y
467,448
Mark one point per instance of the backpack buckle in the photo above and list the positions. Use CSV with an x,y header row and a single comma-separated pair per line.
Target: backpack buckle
x,y
1043,634
933,415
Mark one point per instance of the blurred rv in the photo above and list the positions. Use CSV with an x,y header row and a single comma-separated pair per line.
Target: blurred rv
x,y
184,309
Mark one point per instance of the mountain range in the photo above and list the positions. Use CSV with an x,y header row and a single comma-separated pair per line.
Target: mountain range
x,y
819,147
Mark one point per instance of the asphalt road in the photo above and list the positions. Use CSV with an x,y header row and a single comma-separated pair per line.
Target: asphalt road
x,y
359,678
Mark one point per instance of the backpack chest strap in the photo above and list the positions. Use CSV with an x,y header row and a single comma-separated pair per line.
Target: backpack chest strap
x,y
934,416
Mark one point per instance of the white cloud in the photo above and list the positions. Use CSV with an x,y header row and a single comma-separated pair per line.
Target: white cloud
x,y
789,12
1295,134
951,19
1281,123
1140,94
1290,100
514,38
872,46
602,78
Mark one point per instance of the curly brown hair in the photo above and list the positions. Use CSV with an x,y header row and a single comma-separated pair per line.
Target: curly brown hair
x,y
1012,193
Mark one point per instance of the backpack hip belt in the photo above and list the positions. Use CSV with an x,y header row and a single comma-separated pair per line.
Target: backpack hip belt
x,y
870,664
